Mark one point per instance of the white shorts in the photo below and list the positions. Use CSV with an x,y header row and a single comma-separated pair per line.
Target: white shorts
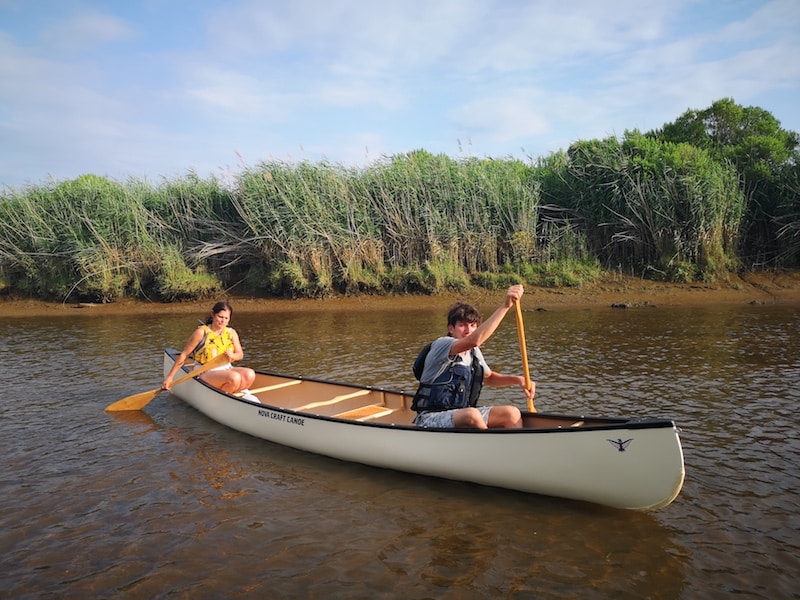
x,y
221,368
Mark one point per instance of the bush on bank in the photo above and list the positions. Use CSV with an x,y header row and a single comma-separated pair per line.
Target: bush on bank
x,y
664,205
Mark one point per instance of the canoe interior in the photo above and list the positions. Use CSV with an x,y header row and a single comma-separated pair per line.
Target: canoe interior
x,y
376,405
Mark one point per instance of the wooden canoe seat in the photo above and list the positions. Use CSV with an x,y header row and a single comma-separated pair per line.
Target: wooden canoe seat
x,y
362,413
333,400
277,386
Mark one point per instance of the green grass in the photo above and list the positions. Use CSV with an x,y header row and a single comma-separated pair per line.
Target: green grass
x,y
414,223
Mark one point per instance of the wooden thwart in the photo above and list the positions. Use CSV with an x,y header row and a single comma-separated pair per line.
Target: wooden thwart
x,y
362,413
333,400
277,386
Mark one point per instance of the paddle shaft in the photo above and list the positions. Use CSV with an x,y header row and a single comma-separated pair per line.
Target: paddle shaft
x,y
139,401
524,352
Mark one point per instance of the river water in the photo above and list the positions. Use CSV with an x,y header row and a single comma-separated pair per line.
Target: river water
x,y
165,503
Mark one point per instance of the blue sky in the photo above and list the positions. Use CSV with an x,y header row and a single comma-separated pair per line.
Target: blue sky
x,y
152,89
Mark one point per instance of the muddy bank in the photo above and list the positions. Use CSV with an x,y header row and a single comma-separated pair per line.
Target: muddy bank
x,y
781,287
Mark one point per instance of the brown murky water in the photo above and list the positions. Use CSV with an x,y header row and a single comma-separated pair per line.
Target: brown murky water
x,y
165,503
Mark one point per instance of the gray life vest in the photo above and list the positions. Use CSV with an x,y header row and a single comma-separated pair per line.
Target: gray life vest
x,y
457,386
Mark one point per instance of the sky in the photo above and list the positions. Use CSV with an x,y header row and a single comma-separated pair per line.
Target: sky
x,y
158,89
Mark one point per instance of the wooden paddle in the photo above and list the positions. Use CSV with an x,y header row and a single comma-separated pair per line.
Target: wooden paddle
x,y
524,352
139,401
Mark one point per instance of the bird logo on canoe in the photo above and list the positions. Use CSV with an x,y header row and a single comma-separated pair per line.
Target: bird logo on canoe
x,y
619,444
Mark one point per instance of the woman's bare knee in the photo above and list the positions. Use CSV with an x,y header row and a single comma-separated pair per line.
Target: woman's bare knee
x,y
232,382
236,381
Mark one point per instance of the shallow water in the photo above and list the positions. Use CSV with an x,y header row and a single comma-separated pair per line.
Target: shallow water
x,y
165,503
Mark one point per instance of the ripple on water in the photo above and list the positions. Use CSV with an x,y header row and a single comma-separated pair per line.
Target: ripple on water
x,y
165,502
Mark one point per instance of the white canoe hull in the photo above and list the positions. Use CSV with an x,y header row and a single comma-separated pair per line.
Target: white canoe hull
x,y
624,464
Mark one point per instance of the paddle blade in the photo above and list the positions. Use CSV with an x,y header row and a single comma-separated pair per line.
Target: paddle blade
x,y
139,401
135,402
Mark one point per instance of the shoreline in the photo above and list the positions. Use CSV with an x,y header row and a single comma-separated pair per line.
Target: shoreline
x,y
611,291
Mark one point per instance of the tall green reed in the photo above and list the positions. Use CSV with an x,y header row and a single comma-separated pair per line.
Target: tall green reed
x,y
410,223
666,210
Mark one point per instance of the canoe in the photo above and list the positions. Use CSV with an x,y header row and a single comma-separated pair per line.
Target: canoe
x,y
624,463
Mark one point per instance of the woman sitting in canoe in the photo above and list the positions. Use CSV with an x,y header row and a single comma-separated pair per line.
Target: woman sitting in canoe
x,y
454,372
209,341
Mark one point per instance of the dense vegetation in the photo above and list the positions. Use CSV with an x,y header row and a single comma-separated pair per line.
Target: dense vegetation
x,y
715,191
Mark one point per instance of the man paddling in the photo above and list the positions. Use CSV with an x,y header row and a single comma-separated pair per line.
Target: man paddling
x,y
454,372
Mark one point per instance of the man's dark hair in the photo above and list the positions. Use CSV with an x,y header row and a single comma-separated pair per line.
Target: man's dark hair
x,y
463,312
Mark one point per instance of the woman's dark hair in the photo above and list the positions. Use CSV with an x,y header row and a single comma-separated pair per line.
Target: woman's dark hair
x,y
218,307
463,312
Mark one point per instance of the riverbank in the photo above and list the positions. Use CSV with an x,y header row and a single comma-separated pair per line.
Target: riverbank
x,y
613,290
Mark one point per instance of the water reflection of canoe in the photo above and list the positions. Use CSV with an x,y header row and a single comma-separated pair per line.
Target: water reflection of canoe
x,y
624,463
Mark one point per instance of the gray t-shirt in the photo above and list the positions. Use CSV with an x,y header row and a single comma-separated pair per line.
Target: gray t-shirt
x,y
439,357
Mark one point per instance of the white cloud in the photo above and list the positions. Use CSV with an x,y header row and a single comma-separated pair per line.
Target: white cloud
x,y
143,87
85,31
237,94
512,115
